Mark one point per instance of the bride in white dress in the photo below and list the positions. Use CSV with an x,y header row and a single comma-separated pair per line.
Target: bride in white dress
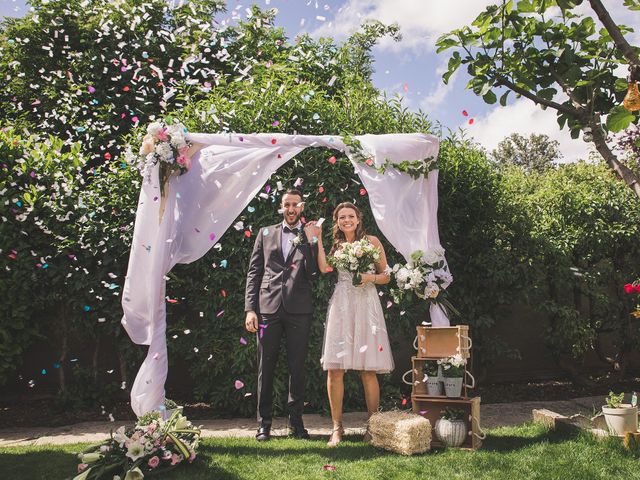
x,y
355,332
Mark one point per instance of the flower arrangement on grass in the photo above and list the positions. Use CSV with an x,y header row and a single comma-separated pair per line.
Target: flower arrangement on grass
x,y
453,367
152,446
165,144
356,257
634,289
426,275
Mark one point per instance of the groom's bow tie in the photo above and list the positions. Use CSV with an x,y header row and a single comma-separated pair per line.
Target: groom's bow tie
x,y
291,230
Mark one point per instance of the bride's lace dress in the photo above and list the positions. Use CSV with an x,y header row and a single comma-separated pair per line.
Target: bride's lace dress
x,y
355,335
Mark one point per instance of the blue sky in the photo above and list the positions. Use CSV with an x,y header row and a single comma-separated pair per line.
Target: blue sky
x,y
411,67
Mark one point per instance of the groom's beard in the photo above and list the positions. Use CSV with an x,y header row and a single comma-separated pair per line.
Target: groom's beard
x,y
294,222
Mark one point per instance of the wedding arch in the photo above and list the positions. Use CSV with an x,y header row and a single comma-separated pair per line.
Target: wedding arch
x,y
227,172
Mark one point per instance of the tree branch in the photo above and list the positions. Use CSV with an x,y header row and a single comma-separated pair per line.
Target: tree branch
x,y
536,99
623,172
622,44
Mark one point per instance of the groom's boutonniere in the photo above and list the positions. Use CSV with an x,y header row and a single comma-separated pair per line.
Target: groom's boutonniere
x,y
298,239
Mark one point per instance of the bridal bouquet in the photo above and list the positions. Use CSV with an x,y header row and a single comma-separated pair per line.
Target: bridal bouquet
x,y
426,275
357,257
165,144
151,447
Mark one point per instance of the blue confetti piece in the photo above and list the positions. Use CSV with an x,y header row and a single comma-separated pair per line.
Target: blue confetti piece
x,y
224,263
86,308
316,116
44,371
178,195
145,55
19,203
251,209
46,265
265,232
56,365
113,286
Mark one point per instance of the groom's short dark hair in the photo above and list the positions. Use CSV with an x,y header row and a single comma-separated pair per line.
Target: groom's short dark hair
x,y
293,191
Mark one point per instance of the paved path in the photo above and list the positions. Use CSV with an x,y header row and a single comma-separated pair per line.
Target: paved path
x,y
492,415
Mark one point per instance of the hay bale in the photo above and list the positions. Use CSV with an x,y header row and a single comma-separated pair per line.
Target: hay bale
x,y
400,432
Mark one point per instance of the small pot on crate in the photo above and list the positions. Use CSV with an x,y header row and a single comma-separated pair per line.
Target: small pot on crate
x,y
451,427
620,417
453,369
433,374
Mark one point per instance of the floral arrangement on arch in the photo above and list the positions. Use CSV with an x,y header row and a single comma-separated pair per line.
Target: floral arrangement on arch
x,y
634,289
356,257
165,144
151,447
426,275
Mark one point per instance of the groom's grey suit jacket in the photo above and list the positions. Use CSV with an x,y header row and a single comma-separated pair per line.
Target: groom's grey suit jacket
x,y
273,280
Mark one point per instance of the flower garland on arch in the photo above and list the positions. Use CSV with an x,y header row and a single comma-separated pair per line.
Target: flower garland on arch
x,y
165,145
414,168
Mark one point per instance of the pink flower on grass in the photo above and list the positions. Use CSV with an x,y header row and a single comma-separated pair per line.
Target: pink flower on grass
x,y
154,461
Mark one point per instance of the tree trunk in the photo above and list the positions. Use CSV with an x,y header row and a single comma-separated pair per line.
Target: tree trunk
x,y
64,345
94,363
614,31
623,172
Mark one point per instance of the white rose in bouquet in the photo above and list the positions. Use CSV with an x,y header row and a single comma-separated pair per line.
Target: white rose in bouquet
x,y
164,151
402,274
416,276
444,276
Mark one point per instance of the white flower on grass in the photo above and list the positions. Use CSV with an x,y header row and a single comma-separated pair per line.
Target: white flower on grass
x,y
134,474
120,437
135,451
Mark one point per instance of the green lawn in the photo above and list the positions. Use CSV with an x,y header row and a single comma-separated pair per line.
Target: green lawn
x,y
526,452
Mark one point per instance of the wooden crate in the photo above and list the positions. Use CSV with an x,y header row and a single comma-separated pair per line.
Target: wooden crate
x,y
431,408
440,342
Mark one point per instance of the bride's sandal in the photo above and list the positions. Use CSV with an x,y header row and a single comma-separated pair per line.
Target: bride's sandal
x,y
336,436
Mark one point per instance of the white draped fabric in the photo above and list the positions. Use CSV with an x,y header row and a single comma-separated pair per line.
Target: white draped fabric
x,y
227,172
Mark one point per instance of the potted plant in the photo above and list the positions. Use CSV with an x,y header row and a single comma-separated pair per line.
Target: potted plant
x,y
453,369
620,417
432,374
451,427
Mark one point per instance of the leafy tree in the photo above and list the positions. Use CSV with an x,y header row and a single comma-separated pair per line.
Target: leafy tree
x,y
555,58
535,153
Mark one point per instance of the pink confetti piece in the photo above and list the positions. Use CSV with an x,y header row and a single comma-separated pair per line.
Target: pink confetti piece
x,y
91,89
379,348
363,348
212,236
369,161
404,402
405,87
465,113
320,189
471,120
363,191
247,233
389,303
273,141
238,384
220,313
332,160
330,468
156,356
275,123
243,341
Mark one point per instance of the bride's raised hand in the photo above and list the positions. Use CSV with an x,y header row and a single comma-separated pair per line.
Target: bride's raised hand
x,y
312,230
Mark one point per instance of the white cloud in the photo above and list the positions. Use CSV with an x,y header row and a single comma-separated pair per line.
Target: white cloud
x,y
437,96
525,118
421,22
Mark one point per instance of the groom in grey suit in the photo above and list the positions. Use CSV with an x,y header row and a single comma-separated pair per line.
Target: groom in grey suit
x,y
278,300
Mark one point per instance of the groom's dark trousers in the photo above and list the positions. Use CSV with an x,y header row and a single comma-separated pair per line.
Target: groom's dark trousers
x,y
279,290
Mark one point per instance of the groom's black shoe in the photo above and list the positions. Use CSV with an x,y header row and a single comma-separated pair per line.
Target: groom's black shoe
x,y
264,434
299,433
